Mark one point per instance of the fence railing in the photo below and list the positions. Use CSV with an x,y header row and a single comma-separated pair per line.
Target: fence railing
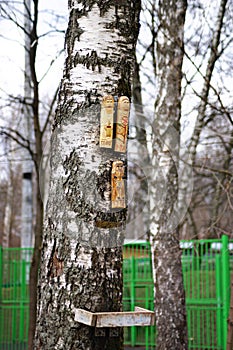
x,y
14,297
206,275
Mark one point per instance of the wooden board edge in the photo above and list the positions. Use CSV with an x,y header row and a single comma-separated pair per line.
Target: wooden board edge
x,y
86,317
91,319
140,309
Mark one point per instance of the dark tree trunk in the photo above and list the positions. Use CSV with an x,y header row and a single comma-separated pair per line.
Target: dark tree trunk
x,y
82,245
169,291
34,267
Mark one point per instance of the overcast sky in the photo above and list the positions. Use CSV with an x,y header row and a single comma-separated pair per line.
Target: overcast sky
x,y
12,52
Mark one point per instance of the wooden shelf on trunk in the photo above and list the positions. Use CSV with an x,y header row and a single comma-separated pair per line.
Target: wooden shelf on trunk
x,y
139,317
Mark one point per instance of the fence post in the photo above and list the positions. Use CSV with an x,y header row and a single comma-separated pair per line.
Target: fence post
x,y
219,312
133,298
226,285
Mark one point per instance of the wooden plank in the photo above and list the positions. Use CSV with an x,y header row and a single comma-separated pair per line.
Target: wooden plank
x,y
148,312
139,317
86,317
124,319
106,121
140,309
123,108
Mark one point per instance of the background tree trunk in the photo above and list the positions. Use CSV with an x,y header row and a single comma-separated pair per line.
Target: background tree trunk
x,y
82,246
169,291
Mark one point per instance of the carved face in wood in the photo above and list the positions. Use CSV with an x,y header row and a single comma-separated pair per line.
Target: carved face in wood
x,y
108,103
124,103
118,169
122,124
106,121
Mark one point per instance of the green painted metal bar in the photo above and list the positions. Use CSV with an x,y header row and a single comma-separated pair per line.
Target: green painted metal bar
x,y
147,328
132,299
14,310
226,286
198,329
211,301
189,329
219,300
207,323
22,299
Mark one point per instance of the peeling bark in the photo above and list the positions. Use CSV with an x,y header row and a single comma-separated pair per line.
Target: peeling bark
x,y
82,246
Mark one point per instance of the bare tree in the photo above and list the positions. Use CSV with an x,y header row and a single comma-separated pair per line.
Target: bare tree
x,y
10,197
39,123
211,139
82,247
206,97
169,290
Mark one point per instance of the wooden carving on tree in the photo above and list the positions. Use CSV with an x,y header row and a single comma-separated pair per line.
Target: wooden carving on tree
x,y
106,121
122,124
118,186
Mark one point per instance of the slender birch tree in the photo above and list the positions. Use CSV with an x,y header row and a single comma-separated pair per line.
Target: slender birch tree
x,y
169,291
81,263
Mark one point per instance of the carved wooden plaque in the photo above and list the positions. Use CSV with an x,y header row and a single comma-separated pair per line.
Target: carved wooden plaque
x,y
123,108
117,185
106,121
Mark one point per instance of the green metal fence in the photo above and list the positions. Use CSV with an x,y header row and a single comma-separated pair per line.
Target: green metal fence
x,y
206,274
14,297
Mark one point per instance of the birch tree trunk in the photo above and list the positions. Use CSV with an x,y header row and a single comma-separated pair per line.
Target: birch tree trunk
x,y
81,263
169,291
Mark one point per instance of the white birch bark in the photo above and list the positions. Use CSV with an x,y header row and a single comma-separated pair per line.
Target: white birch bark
x,y
82,249
169,290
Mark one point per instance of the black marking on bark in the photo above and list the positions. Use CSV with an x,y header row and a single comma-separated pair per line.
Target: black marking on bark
x,y
73,160
75,194
124,68
50,259
104,180
91,61
111,219
74,31
51,224
63,110
107,224
103,5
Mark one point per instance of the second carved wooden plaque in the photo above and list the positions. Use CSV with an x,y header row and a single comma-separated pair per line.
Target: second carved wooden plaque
x,y
123,108
106,121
